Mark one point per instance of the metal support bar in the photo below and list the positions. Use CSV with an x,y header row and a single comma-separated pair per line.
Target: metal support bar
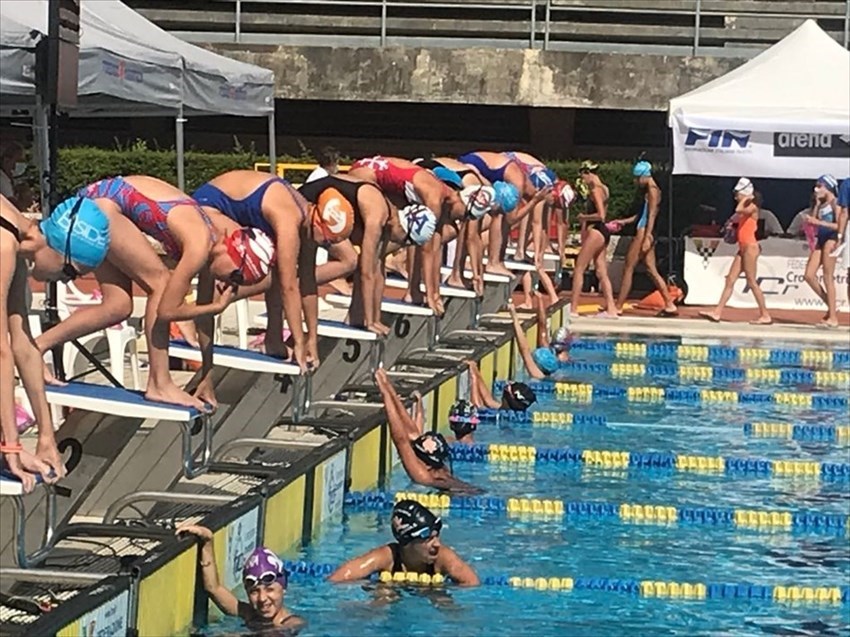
x,y
272,143
302,392
376,356
383,23
160,496
238,25
51,576
192,469
697,26
432,331
847,24
22,558
258,443
475,312
546,25
533,23
91,358
180,147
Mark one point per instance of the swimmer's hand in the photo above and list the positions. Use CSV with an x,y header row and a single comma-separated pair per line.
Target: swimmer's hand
x,y
200,532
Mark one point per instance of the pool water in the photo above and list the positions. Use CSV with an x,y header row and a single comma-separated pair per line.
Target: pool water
x,y
498,543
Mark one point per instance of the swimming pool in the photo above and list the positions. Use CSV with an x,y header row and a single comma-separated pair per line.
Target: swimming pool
x,y
692,533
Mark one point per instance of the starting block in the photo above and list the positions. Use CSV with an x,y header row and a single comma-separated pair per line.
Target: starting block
x,y
390,306
250,361
116,401
488,277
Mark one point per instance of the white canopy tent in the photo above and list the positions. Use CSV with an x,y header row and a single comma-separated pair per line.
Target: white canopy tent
x,y
122,74
785,113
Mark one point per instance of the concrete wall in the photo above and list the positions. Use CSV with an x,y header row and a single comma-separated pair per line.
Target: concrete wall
x,y
483,76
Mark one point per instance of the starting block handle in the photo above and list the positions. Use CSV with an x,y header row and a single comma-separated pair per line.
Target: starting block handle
x,y
302,396
191,468
29,560
432,330
376,355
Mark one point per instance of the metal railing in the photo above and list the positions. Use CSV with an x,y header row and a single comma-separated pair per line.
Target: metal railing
x,y
700,25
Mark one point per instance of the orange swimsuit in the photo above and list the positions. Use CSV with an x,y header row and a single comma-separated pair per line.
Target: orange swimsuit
x,y
747,231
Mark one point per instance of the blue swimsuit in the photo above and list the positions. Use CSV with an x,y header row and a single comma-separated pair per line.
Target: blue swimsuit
x,y
490,174
247,212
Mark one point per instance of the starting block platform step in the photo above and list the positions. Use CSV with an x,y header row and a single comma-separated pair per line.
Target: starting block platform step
x,y
489,277
448,291
329,329
116,401
517,266
547,256
235,358
390,306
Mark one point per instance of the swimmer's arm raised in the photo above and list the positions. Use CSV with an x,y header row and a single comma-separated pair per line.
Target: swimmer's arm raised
x,y
362,566
223,598
524,350
458,570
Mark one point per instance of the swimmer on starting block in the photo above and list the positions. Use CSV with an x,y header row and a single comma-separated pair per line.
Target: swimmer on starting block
x,y
417,549
265,581
406,183
73,239
423,455
379,229
297,227
137,206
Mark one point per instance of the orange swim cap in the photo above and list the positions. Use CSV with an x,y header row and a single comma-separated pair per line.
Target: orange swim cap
x,y
334,214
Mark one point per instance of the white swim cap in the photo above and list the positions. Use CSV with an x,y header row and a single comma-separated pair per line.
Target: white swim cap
x,y
478,200
745,187
418,223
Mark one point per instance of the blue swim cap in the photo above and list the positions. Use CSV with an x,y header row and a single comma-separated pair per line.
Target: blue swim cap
x,y
543,178
546,360
89,229
829,182
642,169
507,196
448,177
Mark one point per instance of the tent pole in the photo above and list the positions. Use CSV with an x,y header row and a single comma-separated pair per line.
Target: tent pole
x,y
272,144
181,177
670,251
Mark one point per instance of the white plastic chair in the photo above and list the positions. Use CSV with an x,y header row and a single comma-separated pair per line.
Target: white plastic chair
x,y
119,338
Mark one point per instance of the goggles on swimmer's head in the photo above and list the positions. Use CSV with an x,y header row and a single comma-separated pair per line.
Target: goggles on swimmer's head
x,y
266,579
69,270
426,532
559,347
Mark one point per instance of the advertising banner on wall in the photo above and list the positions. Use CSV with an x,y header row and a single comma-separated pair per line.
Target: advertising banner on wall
x,y
333,482
241,540
781,269
108,619
726,152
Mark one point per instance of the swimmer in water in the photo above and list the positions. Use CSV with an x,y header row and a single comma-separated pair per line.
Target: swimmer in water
x,y
515,396
463,420
417,549
265,581
543,361
424,455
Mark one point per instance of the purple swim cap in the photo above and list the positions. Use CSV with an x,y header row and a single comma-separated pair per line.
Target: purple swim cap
x,y
263,567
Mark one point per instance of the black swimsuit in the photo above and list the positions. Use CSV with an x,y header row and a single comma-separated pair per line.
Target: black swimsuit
x,y
431,164
9,227
398,566
348,189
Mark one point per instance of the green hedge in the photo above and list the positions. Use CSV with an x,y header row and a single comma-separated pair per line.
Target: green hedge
x,y
79,166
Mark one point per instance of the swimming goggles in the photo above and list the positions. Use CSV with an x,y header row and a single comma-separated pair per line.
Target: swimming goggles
x,y
427,531
266,579
69,271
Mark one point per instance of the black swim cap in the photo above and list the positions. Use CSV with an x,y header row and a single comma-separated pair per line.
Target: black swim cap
x,y
463,418
432,449
518,396
412,521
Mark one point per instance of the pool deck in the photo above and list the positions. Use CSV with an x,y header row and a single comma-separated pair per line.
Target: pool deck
x,y
794,325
